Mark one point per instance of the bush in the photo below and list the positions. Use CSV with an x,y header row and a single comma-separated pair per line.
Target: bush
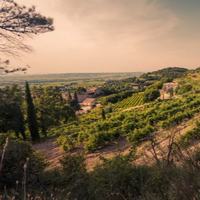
x,y
193,134
69,181
75,176
16,154
184,89
151,95
140,134
118,179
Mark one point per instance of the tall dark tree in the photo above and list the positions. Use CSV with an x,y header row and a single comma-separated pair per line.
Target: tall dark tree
x,y
171,92
74,102
75,96
110,108
103,114
69,96
31,116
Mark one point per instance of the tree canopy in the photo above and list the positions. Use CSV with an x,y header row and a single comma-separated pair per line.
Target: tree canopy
x,y
11,113
18,23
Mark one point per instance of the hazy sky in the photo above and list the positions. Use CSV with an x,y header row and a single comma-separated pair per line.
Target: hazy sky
x,y
115,36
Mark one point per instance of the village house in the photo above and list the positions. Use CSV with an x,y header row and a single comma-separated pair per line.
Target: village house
x,y
168,86
135,87
94,91
98,91
89,102
90,93
82,97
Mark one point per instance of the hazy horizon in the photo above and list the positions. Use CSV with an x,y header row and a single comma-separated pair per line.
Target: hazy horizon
x,y
115,36
28,74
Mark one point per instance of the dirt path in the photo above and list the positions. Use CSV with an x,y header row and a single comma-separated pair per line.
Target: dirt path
x,y
54,152
135,107
121,146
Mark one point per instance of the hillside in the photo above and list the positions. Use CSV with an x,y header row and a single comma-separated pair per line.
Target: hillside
x,y
153,120
134,145
93,105
53,152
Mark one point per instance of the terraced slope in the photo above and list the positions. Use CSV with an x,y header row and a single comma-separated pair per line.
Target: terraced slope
x,y
54,152
135,100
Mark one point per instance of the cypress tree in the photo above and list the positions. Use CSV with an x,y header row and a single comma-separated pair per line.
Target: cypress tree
x,y
74,103
103,114
110,109
69,96
75,96
61,98
31,115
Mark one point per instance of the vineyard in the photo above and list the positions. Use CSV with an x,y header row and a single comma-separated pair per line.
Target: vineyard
x,y
136,125
134,100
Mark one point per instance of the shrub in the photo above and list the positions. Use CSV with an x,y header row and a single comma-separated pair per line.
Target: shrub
x,y
184,89
190,135
151,95
16,154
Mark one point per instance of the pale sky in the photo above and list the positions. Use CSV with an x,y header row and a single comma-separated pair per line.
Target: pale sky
x,y
115,36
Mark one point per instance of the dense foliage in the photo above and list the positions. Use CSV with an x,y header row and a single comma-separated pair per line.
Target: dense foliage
x,y
11,111
43,108
151,95
169,73
117,178
17,155
51,109
114,98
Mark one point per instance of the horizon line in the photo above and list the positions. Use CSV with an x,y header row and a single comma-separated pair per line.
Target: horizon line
x,y
71,73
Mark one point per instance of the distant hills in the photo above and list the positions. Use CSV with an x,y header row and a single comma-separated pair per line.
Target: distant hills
x,y
65,78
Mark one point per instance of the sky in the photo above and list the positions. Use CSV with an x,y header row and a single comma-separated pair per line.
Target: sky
x,y
115,36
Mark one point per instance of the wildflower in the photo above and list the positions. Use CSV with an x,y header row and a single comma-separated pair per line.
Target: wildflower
x,y
25,167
